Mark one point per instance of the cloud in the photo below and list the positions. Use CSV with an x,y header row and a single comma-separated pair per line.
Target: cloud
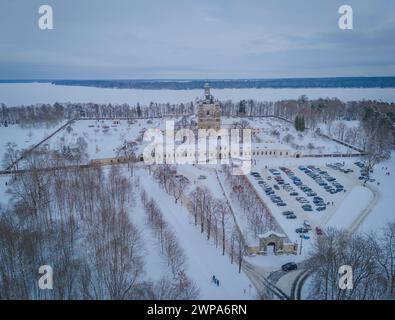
x,y
210,19
179,38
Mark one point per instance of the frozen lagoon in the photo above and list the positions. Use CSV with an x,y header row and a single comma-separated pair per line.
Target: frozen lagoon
x,y
14,94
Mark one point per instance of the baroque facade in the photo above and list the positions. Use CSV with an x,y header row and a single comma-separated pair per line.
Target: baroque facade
x,y
209,111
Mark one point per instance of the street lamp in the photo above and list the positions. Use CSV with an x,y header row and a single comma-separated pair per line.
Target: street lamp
x,y
301,243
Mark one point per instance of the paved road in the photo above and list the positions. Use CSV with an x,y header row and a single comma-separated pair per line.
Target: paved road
x,y
264,286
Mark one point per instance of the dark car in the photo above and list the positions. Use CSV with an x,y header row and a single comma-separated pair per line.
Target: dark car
x,y
302,230
289,266
291,216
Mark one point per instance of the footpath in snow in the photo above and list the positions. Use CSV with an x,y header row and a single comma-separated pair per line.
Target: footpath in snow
x,y
203,259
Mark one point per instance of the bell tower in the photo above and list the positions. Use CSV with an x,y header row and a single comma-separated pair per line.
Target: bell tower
x,y
209,112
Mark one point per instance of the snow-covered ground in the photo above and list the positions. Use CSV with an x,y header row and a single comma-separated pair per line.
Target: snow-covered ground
x,y
351,207
297,141
202,176
103,137
23,137
4,196
383,211
203,259
13,94
272,263
155,263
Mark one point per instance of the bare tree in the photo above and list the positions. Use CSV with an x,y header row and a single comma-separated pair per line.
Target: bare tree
x,y
223,213
378,137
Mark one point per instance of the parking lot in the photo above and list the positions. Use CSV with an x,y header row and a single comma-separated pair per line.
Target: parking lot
x,y
304,198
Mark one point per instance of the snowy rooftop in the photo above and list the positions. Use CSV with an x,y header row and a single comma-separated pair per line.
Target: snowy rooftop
x,y
270,233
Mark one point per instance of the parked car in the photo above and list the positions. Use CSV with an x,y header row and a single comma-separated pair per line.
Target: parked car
x,y
287,213
301,230
306,224
318,231
289,266
291,216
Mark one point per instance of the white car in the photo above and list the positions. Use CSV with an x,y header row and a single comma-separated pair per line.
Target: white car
x,y
307,225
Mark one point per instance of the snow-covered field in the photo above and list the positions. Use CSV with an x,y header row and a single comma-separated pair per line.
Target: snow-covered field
x,y
105,136
297,141
355,202
23,137
383,211
13,94
4,197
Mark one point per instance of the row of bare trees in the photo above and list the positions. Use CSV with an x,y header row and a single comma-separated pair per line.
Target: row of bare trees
x,y
371,257
168,243
172,182
210,214
314,111
34,115
257,215
171,249
78,221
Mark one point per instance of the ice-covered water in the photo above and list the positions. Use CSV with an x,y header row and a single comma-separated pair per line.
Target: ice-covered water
x,y
13,94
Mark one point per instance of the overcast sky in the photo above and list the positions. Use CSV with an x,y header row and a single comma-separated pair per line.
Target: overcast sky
x,y
137,39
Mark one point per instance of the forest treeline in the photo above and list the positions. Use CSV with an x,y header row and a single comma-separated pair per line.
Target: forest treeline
x,y
81,223
343,82
314,111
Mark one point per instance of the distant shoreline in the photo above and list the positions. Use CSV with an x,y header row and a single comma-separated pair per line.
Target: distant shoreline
x,y
192,84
